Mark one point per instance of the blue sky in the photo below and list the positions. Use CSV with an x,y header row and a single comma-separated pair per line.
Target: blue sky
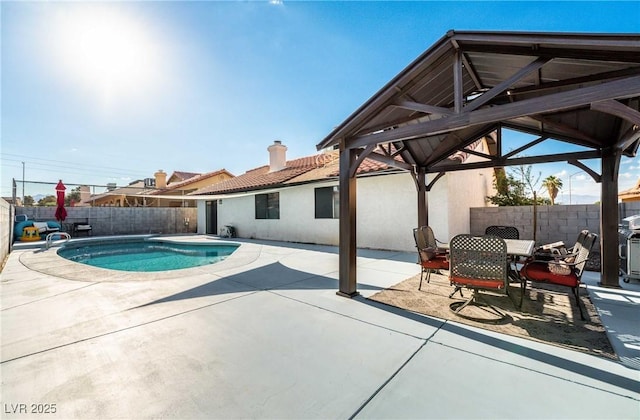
x,y
94,93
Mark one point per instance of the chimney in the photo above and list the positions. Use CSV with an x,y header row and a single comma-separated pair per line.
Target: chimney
x,y
161,179
85,193
277,156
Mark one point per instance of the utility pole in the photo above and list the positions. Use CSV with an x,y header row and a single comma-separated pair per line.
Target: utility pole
x,y
23,183
570,184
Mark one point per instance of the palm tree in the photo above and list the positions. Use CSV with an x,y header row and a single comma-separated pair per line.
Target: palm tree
x,y
553,185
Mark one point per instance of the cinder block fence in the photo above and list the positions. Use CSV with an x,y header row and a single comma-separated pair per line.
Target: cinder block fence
x,y
122,220
554,223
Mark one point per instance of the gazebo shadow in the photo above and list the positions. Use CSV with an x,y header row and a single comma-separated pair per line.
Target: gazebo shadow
x,y
275,276
511,347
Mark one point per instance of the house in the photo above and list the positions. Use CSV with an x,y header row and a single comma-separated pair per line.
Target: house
x,y
632,194
183,183
157,191
297,201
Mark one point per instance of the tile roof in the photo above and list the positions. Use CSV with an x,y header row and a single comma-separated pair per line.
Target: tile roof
x,y
195,178
317,167
260,178
306,169
631,193
183,175
134,188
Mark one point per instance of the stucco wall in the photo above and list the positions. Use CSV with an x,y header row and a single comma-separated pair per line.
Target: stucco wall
x,y
386,212
6,223
460,191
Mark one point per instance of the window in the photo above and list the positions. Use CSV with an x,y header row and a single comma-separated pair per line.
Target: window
x,y
327,203
268,206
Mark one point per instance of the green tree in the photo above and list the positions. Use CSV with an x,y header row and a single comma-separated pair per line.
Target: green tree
x,y
49,200
74,196
511,188
28,201
510,191
553,185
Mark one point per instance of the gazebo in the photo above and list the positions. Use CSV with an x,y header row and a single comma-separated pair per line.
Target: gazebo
x,y
582,89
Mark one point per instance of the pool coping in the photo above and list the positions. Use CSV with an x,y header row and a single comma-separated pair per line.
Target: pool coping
x,y
47,261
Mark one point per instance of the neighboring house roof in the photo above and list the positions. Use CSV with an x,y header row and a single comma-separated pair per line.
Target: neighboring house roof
x,y
134,188
191,180
632,194
10,200
178,176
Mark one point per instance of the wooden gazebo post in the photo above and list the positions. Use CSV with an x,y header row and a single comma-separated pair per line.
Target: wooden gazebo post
x,y
609,260
347,241
421,185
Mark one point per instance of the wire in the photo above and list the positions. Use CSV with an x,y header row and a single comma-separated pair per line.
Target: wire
x,y
65,164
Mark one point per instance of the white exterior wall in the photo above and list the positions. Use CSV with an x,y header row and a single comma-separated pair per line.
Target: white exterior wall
x,y
466,189
386,211
201,211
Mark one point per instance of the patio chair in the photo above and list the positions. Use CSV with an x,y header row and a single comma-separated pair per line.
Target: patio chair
x,y
565,270
559,249
504,232
431,258
478,263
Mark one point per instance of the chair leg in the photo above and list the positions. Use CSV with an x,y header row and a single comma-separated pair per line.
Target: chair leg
x,y
576,294
457,289
428,271
476,299
523,290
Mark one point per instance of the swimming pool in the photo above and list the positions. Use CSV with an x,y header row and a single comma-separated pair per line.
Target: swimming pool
x,y
146,255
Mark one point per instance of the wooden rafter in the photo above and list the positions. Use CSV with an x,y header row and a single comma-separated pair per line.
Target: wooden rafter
x,y
556,102
506,84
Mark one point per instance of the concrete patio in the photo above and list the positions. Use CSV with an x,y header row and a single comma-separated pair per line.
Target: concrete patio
x,y
264,335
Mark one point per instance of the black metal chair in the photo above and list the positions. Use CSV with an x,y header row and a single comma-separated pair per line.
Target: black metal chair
x,y
478,263
504,232
559,249
430,257
564,271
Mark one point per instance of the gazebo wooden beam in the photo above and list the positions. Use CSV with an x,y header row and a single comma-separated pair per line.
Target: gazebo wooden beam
x,y
556,102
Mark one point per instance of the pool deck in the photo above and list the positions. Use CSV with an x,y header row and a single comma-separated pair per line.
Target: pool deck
x,y
264,335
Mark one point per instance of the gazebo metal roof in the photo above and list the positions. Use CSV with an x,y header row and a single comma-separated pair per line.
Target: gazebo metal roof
x,y
582,89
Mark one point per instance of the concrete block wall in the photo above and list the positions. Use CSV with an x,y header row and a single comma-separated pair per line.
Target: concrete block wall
x,y
6,221
554,223
122,220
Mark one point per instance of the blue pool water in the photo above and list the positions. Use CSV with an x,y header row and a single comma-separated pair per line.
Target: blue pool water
x,y
146,254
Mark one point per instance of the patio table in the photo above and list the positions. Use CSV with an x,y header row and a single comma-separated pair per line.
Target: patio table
x,y
515,247
520,247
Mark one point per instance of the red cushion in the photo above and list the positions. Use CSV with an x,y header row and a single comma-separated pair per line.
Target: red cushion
x,y
538,271
439,262
479,283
